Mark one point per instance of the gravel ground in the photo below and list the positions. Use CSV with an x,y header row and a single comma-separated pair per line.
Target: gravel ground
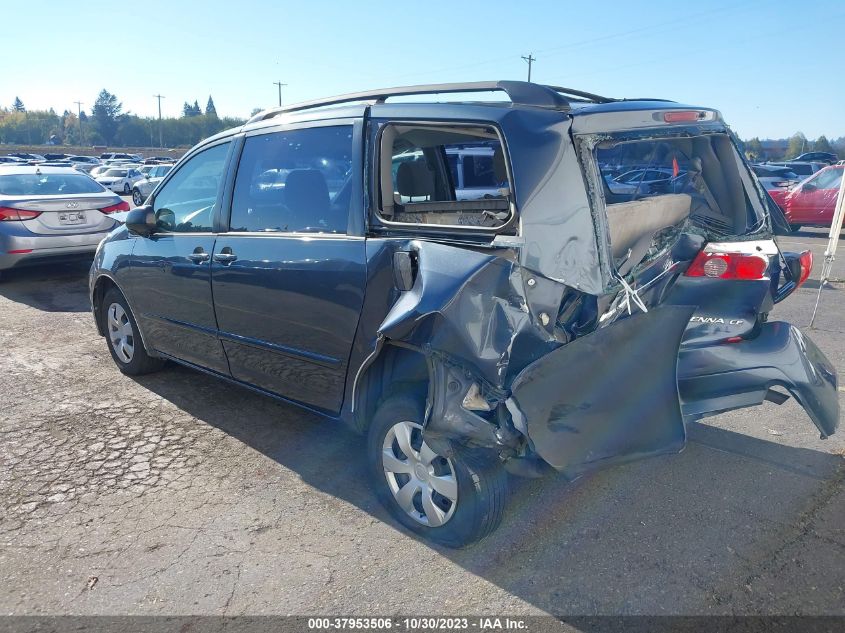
x,y
178,494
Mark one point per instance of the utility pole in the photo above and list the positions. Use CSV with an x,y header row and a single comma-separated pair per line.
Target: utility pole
x,y
279,84
79,121
530,59
160,141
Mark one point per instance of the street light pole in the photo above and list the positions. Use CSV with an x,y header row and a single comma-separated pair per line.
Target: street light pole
x,y
279,84
160,137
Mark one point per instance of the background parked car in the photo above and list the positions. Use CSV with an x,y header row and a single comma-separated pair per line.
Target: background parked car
x,y
51,213
120,156
11,160
822,157
804,169
84,163
776,180
813,201
119,179
144,187
27,156
641,181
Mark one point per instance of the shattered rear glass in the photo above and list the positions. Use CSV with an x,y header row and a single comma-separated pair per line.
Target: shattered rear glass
x,y
686,178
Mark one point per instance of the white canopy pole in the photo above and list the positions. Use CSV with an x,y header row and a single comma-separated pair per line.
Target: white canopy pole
x,y
832,242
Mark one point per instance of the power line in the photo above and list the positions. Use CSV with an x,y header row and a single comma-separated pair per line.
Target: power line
x,y
160,134
530,59
279,84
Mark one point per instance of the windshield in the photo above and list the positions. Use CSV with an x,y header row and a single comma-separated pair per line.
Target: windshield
x,y
697,179
119,173
47,184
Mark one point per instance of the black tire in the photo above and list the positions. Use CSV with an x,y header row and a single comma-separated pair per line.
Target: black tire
x,y
481,480
139,362
136,197
126,189
794,227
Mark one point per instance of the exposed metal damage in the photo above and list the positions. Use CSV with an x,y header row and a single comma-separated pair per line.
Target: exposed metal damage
x,y
559,345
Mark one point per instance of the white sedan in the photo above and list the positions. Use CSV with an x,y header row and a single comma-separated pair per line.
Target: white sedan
x,y
119,179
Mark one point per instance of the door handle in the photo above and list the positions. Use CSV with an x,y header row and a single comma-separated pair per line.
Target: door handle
x,y
225,258
198,256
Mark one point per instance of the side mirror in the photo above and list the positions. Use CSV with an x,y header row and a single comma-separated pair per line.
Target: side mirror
x,y
142,221
809,187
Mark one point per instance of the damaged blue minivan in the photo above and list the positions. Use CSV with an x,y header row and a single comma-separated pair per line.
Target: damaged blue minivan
x,y
553,280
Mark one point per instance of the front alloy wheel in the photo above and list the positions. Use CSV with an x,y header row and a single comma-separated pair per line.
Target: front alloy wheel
x,y
125,343
120,333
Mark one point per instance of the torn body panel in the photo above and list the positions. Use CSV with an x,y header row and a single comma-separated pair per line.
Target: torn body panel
x,y
562,340
609,395
730,376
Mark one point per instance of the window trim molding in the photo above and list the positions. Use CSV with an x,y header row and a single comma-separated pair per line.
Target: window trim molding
x,y
218,200
355,125
378,167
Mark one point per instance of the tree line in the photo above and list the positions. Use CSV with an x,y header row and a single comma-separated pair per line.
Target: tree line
x,y
795,145
107,124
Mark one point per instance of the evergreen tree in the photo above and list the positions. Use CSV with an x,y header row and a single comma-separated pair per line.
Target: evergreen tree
x,y
106,115
197,109
822,145
18,106
210,110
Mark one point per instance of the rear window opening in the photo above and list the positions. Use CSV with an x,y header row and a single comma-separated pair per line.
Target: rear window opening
x,y
652,186
444,175
47,184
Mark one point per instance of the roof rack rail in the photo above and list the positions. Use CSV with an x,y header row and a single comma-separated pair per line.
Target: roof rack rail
x,y
519,92
587,96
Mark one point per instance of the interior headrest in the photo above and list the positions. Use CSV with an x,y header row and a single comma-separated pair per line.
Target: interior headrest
x,y
499,168
414,179
306,191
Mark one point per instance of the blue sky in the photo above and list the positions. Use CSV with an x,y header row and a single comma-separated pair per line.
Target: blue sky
x,y
772,67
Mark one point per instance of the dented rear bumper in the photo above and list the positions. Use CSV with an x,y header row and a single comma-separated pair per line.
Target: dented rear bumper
x,y
730,376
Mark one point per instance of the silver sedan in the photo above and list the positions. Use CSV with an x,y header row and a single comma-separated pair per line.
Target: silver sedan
x,y
52,213
143,188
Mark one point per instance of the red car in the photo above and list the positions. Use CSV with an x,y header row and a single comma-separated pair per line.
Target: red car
x,y
813,201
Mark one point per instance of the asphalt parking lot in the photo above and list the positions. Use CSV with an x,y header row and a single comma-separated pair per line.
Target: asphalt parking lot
x,y
175,493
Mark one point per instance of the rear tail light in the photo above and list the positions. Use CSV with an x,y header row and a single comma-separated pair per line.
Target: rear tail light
x,y
728,266
806,260
8,214
120,206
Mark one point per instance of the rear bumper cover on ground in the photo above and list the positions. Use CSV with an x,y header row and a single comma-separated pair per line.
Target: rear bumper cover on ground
x,y
730,376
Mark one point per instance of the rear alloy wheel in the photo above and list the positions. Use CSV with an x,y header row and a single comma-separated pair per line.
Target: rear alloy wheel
x,y
136,197
126,189
422,482
455,500
125,344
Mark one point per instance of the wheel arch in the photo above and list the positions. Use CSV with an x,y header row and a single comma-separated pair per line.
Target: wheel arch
x,y
102,285
390,368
